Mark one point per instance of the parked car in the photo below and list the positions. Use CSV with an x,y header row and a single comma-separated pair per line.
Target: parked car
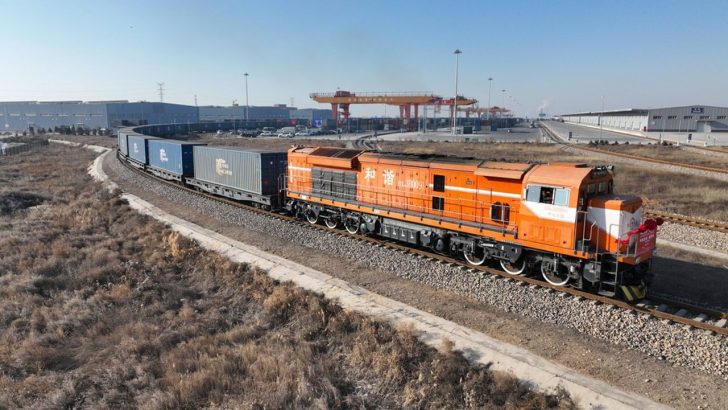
x,y
286,134
304,133
249,133
266,134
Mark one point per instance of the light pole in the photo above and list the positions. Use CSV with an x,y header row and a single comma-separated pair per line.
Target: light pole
x,y
601,121
503,105
246,98
490,86
457,53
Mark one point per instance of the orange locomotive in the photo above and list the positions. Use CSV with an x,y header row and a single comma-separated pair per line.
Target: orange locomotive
x,y
561,219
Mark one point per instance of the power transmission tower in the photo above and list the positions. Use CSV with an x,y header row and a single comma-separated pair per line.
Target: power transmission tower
x,y
161,92
195,100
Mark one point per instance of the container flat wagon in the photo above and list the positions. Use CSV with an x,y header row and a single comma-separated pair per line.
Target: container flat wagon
x,y
171,159
255,176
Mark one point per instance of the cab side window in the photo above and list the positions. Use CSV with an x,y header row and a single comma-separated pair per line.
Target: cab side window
x,y
561,197
547,195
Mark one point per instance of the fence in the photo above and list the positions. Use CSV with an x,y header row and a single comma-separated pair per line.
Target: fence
x,y
12,148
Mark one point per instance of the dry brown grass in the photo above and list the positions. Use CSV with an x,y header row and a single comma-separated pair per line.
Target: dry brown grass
x,y
102,307
677,154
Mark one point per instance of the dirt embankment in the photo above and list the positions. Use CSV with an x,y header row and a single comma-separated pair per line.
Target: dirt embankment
x,y
101,307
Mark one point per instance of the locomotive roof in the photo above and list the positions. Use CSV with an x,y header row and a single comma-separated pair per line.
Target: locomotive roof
x,y
559,174
426,158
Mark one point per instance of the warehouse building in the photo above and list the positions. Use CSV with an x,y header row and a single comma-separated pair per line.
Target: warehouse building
x,y
238,112
689,118
34,115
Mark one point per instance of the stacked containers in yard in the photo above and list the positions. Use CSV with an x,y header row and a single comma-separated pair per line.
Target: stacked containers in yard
x,y
122,143
172,156
255,171
137,146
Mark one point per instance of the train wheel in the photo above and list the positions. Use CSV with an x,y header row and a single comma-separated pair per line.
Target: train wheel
x,y
351,225
474,258
311,217
554,274
515,268
331,223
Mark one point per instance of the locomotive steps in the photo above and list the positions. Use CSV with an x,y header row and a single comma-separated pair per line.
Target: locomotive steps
x,y
434,330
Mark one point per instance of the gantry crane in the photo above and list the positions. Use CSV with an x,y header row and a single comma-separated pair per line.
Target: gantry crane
x,y
405,101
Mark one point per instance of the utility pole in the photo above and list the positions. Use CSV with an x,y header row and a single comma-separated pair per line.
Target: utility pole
x,y
161,92
457,53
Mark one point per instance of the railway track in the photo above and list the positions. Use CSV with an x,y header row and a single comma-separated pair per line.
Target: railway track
x,y
691,221
656,161
659,307
366,143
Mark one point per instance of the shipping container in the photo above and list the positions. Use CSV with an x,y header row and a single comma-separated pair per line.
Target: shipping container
x,y
122,143
255,171
171,159
137,146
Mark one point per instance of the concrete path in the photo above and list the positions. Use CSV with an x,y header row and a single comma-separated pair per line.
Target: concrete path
x,y
478,347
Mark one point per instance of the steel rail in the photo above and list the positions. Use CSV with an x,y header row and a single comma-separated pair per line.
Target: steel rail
x,y
524,280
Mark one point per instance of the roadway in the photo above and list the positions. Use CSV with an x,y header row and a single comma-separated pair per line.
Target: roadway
x,y
582,134
519,133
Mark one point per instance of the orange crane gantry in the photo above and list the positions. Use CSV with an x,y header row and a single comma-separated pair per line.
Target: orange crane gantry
x,y
405,101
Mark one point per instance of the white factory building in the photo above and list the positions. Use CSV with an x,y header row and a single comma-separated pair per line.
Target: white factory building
x,y
689,118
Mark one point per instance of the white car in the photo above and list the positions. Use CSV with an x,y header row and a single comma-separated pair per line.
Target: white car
x,y
266,134
287,134
304,133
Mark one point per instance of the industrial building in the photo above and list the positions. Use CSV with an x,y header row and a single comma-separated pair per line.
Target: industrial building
x,y
34,115
241,112
317,117
689,118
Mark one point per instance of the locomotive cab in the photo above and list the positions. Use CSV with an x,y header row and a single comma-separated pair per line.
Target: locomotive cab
x,y
613,224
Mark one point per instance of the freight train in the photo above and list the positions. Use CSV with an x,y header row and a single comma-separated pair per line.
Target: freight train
x,y
561,220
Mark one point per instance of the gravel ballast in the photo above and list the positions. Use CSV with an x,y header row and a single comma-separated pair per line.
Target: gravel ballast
x,y
678,344
693,236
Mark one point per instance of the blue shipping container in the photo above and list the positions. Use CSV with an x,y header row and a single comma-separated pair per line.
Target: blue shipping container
x,y
122,143
137,145
172,156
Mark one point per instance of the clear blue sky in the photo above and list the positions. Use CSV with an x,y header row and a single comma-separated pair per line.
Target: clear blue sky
x,y
566,55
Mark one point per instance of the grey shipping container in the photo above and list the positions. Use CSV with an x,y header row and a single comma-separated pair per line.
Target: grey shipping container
x,y
122,143
172,156
255,171
137,146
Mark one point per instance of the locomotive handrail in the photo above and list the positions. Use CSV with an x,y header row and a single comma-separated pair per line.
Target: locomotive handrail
x,y
388,198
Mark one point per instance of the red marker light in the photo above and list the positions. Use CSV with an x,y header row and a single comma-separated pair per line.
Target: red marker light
x,y
650,224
